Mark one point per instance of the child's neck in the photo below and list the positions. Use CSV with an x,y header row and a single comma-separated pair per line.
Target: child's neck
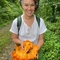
x,y
28,17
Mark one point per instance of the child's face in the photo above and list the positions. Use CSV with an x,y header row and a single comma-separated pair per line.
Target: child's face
x,y
28,7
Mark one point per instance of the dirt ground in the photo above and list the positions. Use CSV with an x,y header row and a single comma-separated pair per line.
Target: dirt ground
x,y
6,55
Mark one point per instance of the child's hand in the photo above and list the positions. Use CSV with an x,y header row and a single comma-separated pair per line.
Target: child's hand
x,y
22,45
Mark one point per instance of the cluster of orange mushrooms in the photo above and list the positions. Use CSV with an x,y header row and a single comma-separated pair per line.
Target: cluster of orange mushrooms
x,y
29,52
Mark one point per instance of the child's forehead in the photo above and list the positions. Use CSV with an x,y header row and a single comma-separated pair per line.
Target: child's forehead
x,y
28,1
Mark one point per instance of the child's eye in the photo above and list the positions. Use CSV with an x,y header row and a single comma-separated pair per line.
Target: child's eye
x,y
26,4
32,5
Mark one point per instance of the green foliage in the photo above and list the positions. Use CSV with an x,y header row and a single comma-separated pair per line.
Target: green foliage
x,y
51,46
2,3
8,11
48,11
4,40
12,1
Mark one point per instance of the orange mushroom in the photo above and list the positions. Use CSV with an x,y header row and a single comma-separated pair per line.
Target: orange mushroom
x,y
27,45
28,53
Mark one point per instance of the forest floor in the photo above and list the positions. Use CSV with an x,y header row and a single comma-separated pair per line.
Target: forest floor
x,y
6,51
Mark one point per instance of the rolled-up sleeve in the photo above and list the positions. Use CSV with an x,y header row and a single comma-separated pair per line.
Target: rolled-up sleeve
x,y
42,28
14,27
